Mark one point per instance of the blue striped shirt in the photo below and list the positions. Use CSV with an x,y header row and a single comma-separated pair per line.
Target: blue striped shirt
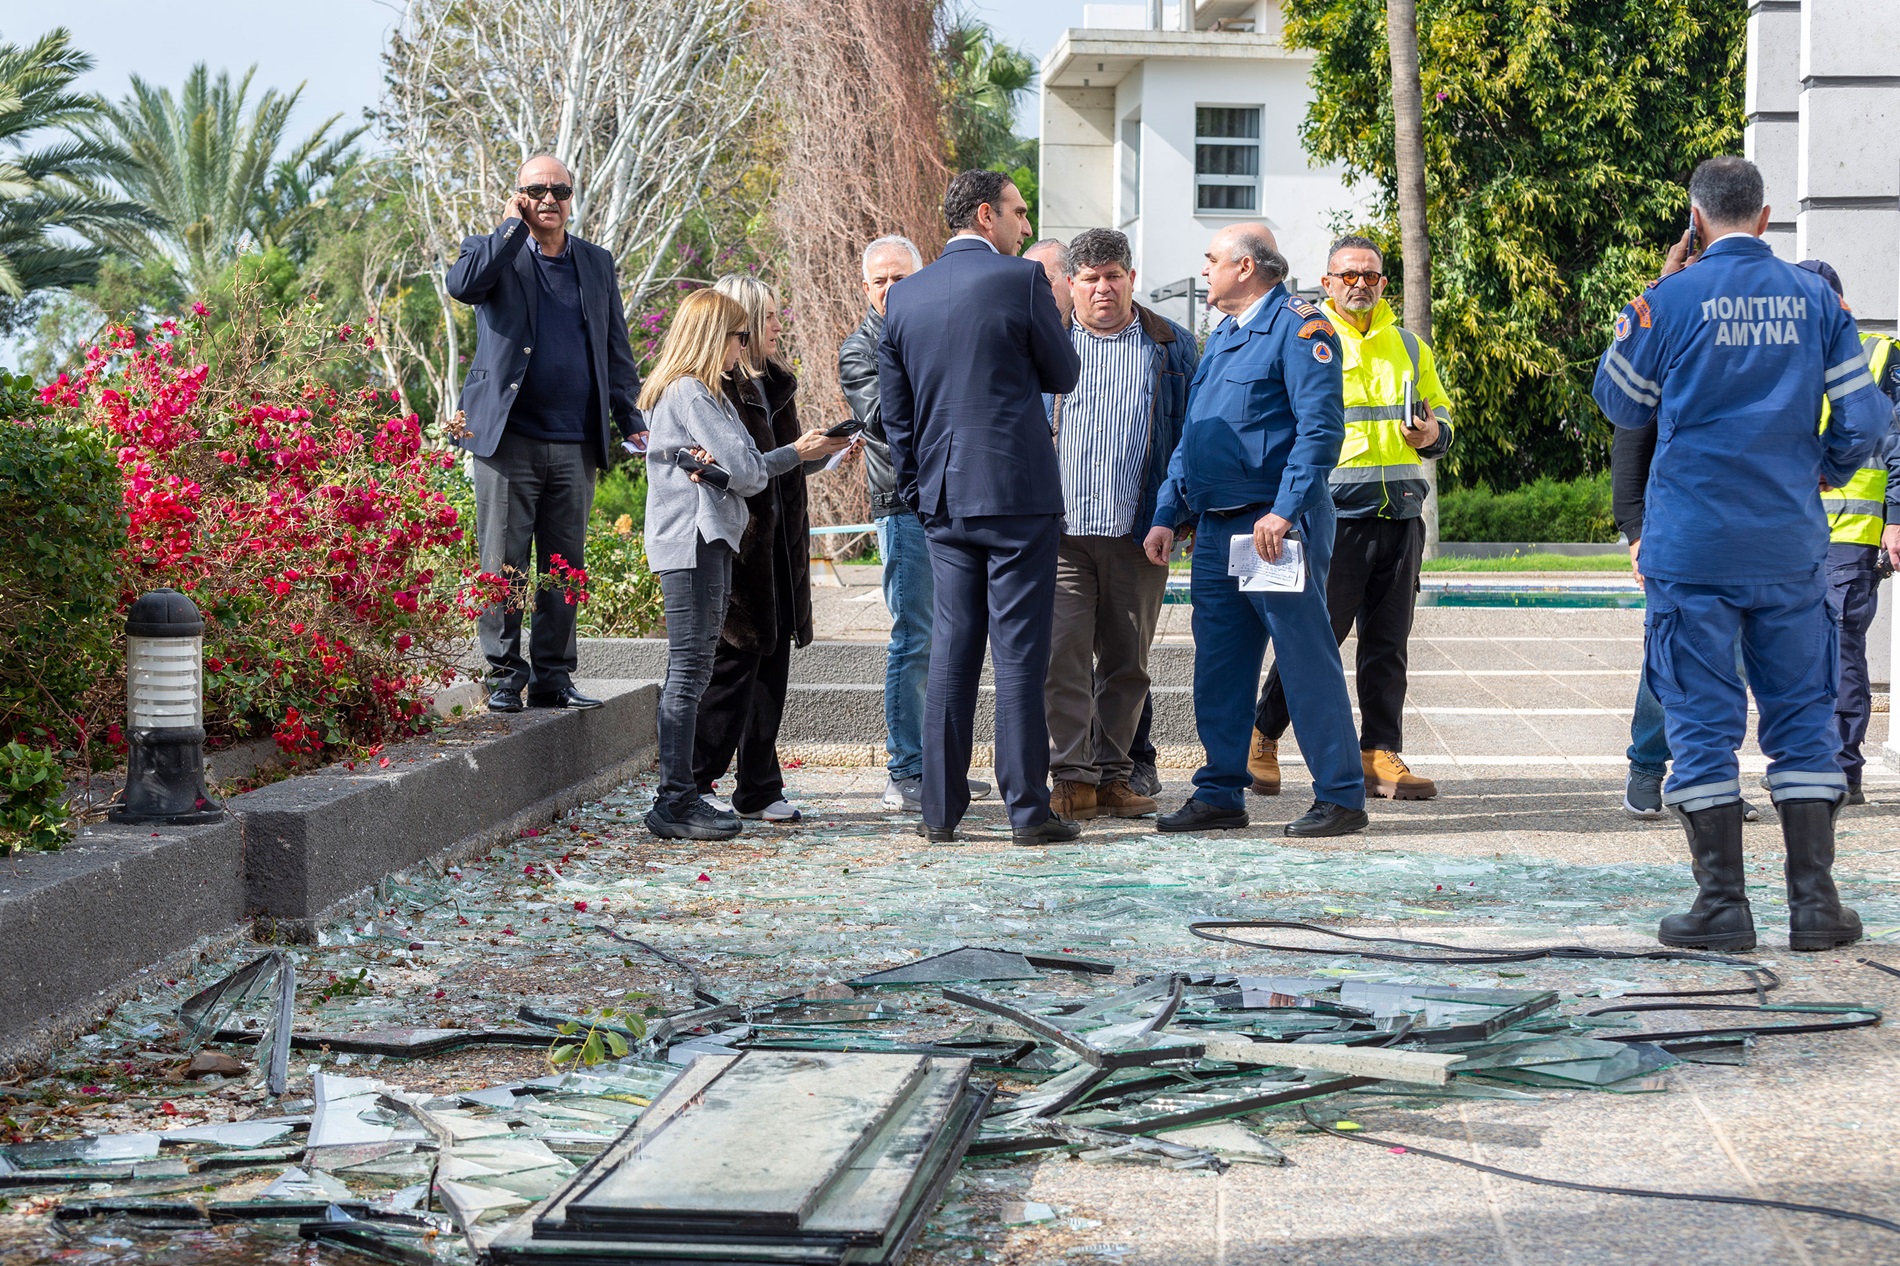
x,y
1102,431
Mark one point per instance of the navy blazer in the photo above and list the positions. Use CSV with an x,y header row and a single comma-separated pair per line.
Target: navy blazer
x,y
496,275
970,345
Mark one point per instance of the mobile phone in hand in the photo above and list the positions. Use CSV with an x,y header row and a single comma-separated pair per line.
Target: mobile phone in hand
x,y
844,429
707,472
1695,244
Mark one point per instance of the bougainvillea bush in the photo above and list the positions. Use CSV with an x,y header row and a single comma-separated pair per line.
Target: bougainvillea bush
x,y
296,505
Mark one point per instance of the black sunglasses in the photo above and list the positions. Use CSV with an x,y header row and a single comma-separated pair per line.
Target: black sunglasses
x,y
561,192
744,337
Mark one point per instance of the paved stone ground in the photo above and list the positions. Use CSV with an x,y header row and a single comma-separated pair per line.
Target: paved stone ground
x,y
1522,716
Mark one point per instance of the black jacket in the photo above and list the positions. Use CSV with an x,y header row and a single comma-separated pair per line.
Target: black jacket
x,y
771,576
495,275
857,378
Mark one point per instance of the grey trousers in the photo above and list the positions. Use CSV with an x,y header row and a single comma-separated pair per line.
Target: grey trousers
x,y
695,599
532,497
1108,602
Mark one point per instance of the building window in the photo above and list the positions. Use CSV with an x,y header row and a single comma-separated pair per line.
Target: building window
x,y
1131,169
1226,158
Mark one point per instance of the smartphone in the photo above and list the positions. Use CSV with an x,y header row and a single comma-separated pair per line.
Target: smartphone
x,y
1695,246
844,429
708,473
1411,405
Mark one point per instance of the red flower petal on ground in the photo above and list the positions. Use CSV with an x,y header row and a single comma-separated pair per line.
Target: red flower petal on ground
x,y
581,906
168,1109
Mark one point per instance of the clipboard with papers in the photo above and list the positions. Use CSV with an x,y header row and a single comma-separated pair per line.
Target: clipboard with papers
x,y
1257,575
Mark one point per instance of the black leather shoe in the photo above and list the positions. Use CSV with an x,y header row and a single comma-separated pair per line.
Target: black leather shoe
x,y
1051,830
938,834
506,699
569,698
1856,796
1327,818
1198,815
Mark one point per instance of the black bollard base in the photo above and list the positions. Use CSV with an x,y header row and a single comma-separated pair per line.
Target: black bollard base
x,y
165,779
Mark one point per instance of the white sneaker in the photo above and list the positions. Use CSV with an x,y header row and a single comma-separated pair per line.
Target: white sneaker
x,y
777,811
978,789
724,806
905,795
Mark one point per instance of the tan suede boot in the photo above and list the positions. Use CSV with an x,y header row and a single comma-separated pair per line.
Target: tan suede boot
x,y
1118,800
1387,775
1264,764
1073,800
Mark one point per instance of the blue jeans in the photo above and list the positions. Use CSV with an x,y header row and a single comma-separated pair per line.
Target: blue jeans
x,y
909,594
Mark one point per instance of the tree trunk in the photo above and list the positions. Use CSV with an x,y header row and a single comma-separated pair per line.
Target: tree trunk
x,y
1408,127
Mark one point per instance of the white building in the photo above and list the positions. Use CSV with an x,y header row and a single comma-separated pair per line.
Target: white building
x,y
1169,121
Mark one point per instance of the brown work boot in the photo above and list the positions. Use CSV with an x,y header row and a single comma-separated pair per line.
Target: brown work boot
x,y
1387,775
1118,800
1264,764
1073,800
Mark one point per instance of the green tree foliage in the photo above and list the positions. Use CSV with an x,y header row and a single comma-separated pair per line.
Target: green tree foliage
x,y
221,171
984,82
50,211
1559,135
1544,510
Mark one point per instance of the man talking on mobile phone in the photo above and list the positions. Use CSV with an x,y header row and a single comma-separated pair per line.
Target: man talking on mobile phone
x,y
549,400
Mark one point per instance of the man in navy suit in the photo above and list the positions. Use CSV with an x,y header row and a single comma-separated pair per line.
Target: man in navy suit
x,y
548,401
970,345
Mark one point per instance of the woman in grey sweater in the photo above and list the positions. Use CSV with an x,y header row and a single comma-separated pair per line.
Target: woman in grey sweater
x,y
693,528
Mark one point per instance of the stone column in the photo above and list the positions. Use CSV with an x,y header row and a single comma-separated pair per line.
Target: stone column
x,y
1849,129
1771,99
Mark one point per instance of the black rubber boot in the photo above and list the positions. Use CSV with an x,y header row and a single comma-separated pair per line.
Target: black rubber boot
x,y
1816,918
1720,919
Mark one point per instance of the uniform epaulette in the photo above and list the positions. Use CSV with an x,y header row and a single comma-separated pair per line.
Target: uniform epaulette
x,y
1302,307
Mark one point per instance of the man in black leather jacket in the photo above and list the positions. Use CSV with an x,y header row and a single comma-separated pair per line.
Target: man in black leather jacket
x,y
908,591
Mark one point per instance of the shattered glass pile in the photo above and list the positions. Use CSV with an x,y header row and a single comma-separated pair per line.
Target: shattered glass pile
x,y
420,1115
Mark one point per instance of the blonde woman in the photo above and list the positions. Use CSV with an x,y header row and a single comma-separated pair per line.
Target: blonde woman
x,y
770,611
694,526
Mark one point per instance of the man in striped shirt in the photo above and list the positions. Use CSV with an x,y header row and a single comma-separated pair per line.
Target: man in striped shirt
x,y
1114,435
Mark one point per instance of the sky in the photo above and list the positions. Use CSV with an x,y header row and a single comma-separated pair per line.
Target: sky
x,y
334,46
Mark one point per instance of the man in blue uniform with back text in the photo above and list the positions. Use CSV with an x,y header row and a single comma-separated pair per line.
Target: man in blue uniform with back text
x,y
1265,418
1731,357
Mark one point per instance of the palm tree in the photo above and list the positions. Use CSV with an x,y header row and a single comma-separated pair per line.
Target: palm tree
x,y
214,168
51,213
985,79
1408,128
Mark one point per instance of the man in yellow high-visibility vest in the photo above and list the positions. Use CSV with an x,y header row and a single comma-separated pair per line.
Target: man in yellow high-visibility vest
x,y
1378,489
1858,514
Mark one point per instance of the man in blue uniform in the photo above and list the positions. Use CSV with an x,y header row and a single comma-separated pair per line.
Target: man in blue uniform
x,y
1730,358
1265,419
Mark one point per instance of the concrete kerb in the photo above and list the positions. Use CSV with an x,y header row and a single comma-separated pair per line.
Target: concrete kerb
x,y
88,926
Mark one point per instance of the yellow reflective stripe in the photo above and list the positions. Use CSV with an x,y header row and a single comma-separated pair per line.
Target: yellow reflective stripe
x,y
1377,474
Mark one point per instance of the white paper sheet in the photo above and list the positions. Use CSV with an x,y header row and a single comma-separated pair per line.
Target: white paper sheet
x,y
1257,575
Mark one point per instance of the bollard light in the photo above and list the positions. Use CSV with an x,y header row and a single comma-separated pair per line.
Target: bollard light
x,y
165,713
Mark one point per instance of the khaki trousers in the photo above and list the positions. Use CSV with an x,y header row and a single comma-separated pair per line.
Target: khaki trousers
x,y
1108,602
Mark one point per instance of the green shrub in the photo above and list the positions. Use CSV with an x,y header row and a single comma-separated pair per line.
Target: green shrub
x,y
59,572
1548,510
622,493
32,799
623,597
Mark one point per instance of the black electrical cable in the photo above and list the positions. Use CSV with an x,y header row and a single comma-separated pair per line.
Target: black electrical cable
x,y
1868,962
1464,956
1646,1193
699,986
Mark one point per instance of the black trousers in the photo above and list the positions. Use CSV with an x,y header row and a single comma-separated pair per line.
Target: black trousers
x,y
532,498
1373,582
739,715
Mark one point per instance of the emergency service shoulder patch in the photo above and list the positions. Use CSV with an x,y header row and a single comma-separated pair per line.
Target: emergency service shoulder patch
x,y
1316,325
1323,353
1622,326
1640,306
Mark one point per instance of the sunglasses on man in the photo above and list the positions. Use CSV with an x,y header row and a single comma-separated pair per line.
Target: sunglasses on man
x,y
1355,278
561,192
